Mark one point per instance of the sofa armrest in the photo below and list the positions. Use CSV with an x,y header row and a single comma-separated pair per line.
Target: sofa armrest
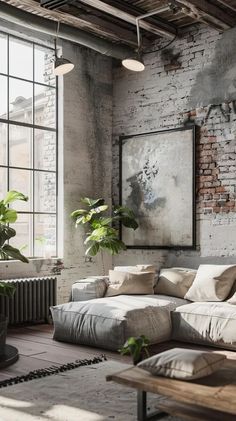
x,y
89,288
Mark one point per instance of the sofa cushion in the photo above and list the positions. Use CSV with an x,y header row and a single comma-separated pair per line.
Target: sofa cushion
x,y
108,322
207,323
130,283
175,281
212,283
89,288
186,364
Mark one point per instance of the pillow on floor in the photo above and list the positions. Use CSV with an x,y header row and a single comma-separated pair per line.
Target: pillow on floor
x,y
175,281
212,283
130,283
185,364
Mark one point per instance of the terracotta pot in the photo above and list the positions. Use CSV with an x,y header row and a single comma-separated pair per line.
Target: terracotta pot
x,y
3,333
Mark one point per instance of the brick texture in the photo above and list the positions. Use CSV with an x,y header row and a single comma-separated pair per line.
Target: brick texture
x,y
155,100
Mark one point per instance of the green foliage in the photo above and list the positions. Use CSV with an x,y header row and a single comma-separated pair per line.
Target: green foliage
x,y
135,347
7,289
102,235
9,216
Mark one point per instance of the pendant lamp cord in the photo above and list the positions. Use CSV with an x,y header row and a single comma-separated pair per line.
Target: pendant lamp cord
x,y
55,40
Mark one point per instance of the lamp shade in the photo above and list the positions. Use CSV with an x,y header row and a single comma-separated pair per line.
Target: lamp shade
x,y
62,66
134,63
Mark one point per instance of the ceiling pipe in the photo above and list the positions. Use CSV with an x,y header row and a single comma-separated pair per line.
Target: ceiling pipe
x,y
127,17
68,33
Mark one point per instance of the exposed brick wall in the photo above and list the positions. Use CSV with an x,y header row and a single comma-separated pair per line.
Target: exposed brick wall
x,y
157,99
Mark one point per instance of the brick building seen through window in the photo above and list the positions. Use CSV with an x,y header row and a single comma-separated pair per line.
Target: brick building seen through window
x,y
28,141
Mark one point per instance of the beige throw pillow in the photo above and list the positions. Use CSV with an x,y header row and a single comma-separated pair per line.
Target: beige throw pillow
x,y
212,283
175,281
186,364
130,283
146,268
136,268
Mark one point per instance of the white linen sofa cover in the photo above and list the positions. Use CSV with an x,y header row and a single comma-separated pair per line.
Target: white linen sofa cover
x,y
108,322
206,323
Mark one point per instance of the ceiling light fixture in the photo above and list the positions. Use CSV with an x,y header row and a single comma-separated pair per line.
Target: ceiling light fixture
x,y
61,65
136,63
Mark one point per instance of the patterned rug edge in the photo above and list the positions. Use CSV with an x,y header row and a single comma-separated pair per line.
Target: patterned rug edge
x,y
45,372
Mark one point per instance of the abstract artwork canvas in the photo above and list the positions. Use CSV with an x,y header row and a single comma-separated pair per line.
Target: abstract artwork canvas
x,y
157,181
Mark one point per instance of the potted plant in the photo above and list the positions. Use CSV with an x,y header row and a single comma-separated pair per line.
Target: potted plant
x,y
136,347
8,216
103,234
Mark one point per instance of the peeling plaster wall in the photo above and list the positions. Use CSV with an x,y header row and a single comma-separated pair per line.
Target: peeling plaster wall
x,y
157,99
85,170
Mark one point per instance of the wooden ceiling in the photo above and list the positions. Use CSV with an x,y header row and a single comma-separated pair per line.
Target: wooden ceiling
x,y
115,19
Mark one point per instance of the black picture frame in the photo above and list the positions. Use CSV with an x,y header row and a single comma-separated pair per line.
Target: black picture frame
x,y
123,157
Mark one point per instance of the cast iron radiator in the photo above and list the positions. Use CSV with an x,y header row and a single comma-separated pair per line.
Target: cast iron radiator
x,y
31,300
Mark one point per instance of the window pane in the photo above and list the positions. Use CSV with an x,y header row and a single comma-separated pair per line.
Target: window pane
x,y
45,106
45,150
3,144
20,144
22,240
3,53
22,181
20,58
3,96
3,182
45,192
45,236
20,98
44,65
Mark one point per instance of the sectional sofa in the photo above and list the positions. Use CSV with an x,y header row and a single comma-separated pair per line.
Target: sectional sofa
x,y
177,308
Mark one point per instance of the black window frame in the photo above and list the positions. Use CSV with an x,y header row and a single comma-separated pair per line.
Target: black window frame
x,y
33,126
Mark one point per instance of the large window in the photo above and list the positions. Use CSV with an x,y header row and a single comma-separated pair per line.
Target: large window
x,y
28,141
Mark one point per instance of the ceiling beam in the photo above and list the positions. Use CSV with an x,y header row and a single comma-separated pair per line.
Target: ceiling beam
x,y
31,6
47,28
127,17
137,11
209,10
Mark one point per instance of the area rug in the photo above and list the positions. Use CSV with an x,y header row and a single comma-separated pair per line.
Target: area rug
x,y
79,394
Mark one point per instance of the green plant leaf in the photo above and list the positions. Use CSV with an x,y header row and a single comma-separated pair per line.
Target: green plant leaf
x,y
123,210
129,222
9,216
7,289
14,253
6,233
92,202
92,250
14,195
112,245
78,212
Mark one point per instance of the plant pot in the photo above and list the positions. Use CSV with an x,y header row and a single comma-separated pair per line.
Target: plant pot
x,y
3,333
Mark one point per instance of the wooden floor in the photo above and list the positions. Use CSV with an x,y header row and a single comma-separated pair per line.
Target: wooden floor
x,y
37,350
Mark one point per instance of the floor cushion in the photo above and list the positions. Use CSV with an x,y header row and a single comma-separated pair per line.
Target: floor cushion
x,y
212,323
108,322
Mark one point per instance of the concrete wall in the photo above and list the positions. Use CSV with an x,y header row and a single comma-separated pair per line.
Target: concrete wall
x,y
85,124
158,99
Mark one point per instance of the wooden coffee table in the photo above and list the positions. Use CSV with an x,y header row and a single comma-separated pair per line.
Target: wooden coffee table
x,y
206,399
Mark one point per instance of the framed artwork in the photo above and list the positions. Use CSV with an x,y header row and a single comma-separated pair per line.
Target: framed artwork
x,y
157,181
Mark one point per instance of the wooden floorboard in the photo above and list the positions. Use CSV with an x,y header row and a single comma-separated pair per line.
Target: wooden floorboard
x,y
37,349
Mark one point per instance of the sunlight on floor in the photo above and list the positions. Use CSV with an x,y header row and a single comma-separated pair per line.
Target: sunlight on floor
x,y
12,403
64,412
